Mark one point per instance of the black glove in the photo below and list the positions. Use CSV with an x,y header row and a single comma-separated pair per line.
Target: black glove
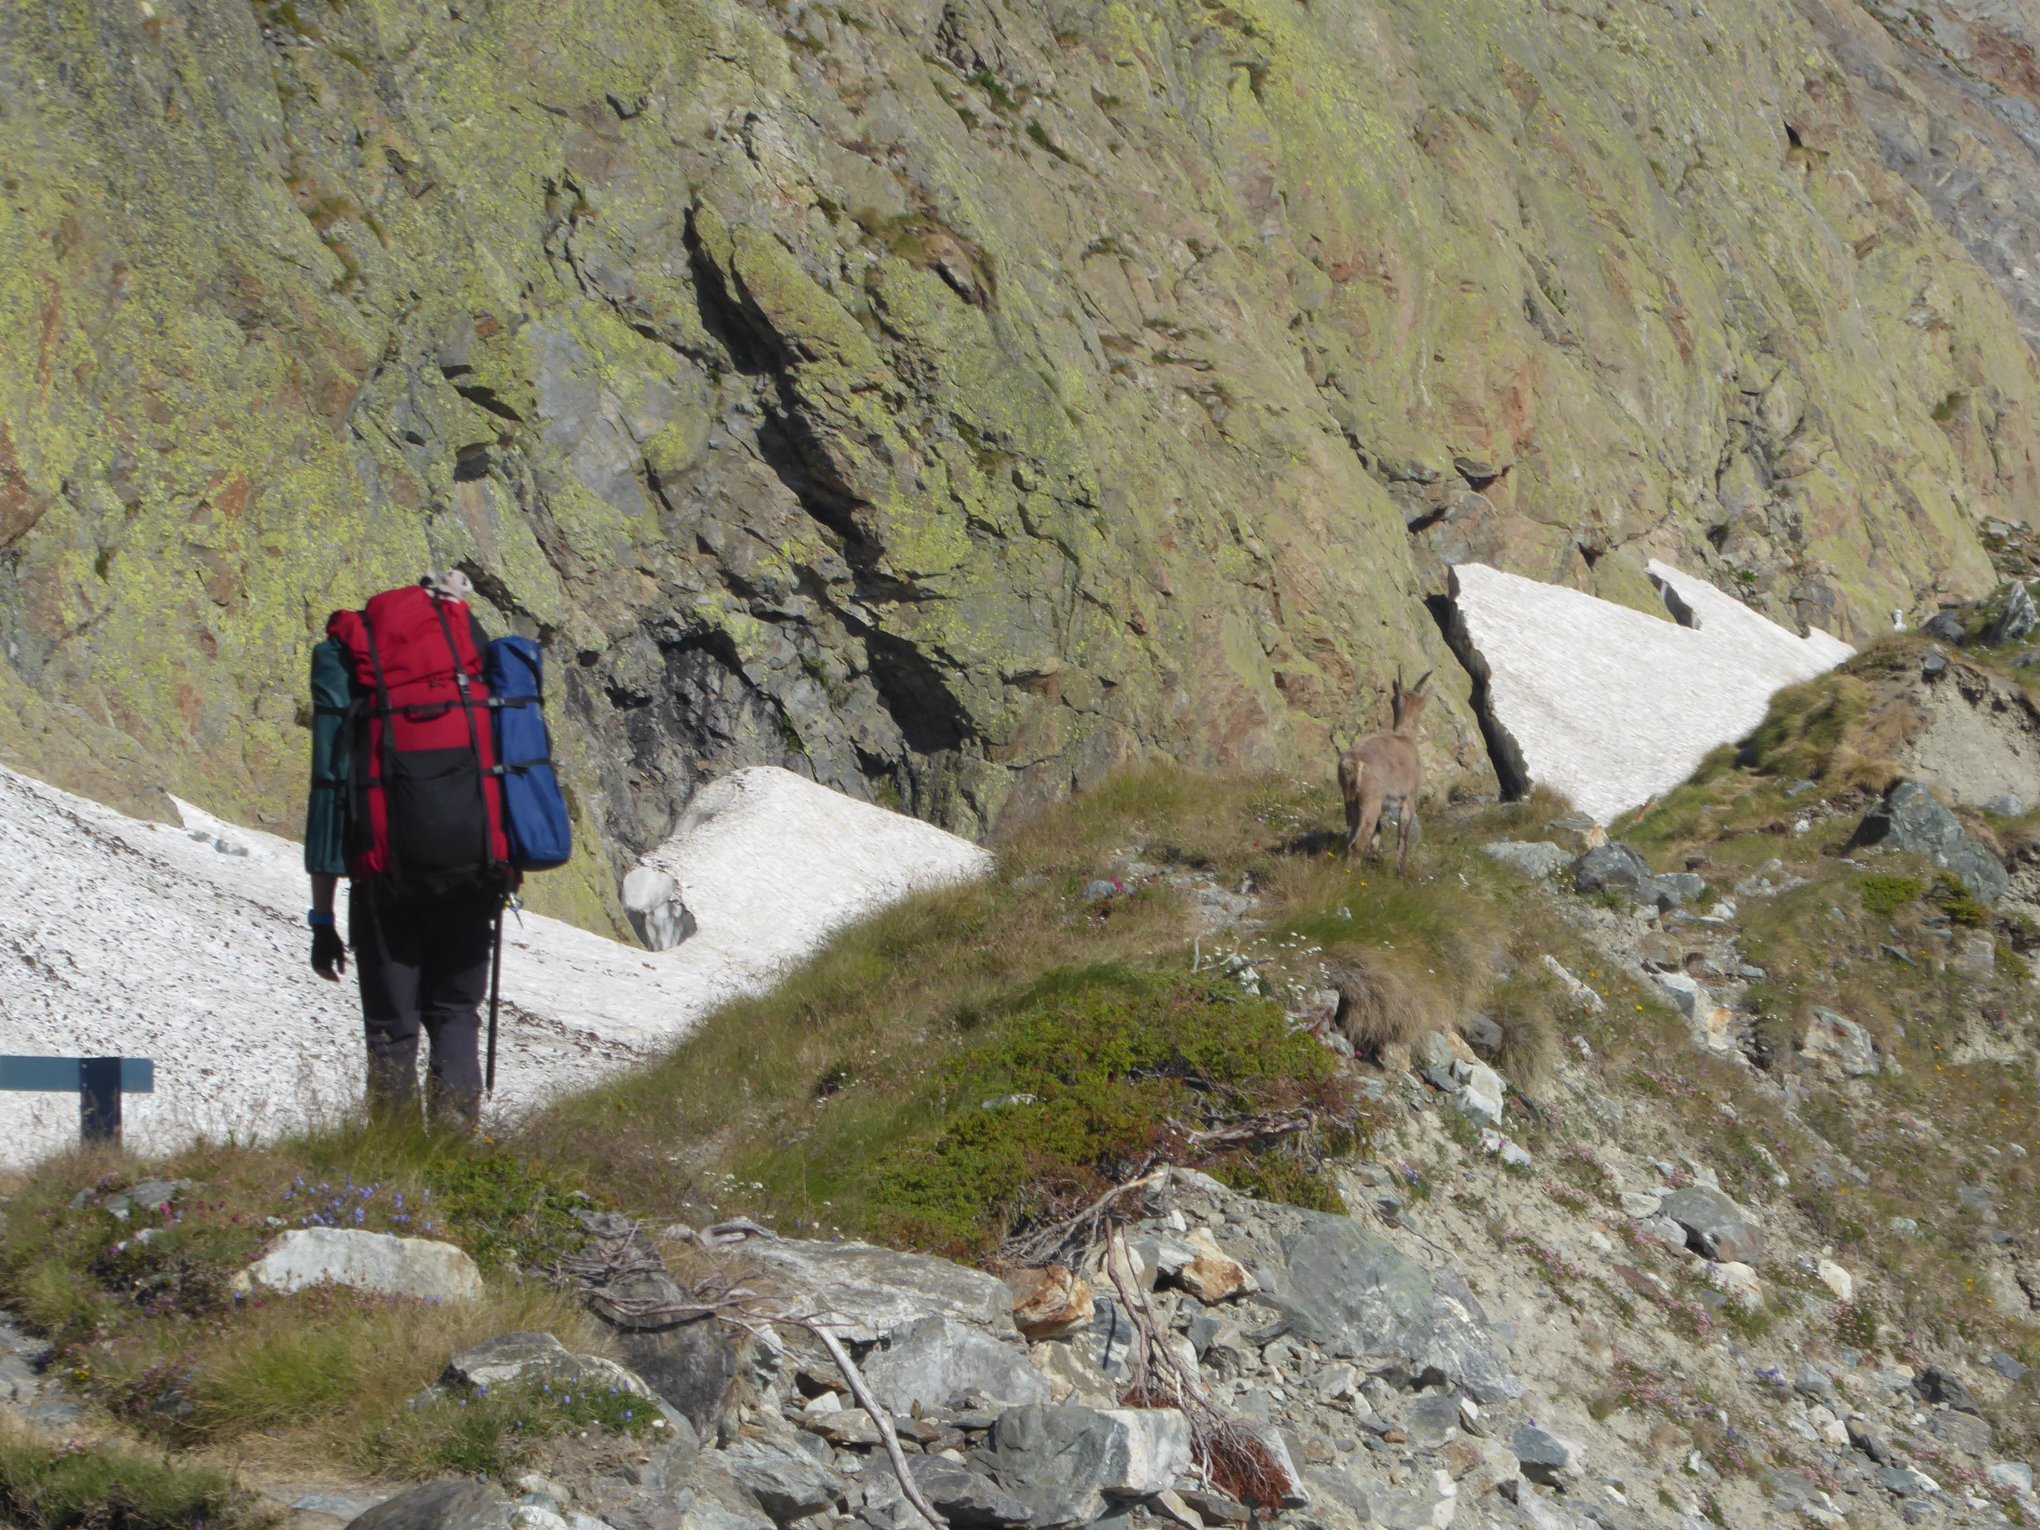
x,y
329,953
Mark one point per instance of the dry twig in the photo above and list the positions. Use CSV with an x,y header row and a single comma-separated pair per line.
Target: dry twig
x,y
719,1296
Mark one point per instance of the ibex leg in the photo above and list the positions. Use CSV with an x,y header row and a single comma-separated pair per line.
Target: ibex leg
x,y
1407,831
1368,823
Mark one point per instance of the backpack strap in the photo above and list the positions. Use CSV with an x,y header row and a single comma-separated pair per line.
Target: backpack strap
x,y
468,703
389,741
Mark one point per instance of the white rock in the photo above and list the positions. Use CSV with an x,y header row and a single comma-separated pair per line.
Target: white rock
x,y
1837,1280
377,1263
1611,706
2012,1476
1710,1021
1578,992
1738,1282
1480,1096
1641,1203
1156,1442
651,900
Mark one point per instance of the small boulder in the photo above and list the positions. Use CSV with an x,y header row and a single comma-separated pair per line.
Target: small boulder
x,y
1049,1302
2011,1477
651,901
1536,859
1547,1458
1065,1462
1711,1022
378,1263
963,1497
1715,1226
1938,1386
939,1364
788,1483
1480,1092
870,1293
1839,1045
1615,868
1214,1275
1911,820
438,1506
1739,1283
1966,1432
533,1359
1837,1280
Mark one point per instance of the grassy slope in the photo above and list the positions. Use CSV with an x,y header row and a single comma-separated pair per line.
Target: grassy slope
x,y
853,1097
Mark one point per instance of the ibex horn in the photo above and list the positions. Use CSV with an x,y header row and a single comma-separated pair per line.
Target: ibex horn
x,y
1421,683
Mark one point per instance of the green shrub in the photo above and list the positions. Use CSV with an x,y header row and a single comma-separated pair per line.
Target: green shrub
x,y
103,1487
1885,895
1952,897
1092,1076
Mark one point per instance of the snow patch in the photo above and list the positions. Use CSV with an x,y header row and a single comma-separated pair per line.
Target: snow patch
x,y
186,943
1611,707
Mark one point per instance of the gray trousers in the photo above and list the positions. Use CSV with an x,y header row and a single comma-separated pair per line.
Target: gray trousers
x,y
422,967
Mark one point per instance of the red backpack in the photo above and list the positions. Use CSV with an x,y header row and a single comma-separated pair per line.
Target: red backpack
x,y
426,813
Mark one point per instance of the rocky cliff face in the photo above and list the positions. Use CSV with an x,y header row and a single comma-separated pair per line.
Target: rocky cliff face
x,y
952,399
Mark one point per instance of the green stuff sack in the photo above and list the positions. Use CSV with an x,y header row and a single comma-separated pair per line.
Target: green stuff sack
x,y
332,702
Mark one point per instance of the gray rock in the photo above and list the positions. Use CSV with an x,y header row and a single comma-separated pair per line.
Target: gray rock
x,y
1867,1439
1978,1201
1938,1386
1425,1500
872,1293
149,1197
2007,1366
1432,1421
1065,1462
1680,887
939,1364
1966,1432
1715,1226
1615,867
1840,1044
378,1263
332,1506
2007,615
1547,1458
1358,1297
1338,1501
1536,859
694,1367
1483,1034
438,1506
535,1359
788,1483
2011,1477
1814,1382
2009,805
1912,821
963,1497
1906,1482
1662,1229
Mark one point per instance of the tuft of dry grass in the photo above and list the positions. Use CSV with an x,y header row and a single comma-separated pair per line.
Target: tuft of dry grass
x,y
1385,1000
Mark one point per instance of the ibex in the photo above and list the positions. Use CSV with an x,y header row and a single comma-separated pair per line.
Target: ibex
x,y
1384,768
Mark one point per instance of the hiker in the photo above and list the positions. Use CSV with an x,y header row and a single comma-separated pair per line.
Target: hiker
x,y
416,823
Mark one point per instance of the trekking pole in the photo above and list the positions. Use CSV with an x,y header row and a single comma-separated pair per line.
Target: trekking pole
x,y
495,998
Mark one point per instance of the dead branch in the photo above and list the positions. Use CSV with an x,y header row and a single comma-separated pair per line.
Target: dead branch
x,y
1263,1128
1228,1457
1044,1243
719,1296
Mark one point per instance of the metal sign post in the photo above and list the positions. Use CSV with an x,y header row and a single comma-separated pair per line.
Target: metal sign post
x,y
99,1082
